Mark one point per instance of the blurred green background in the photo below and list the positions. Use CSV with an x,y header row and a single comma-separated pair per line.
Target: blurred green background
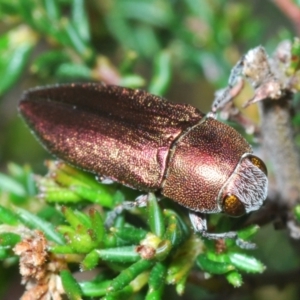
x,y
181,49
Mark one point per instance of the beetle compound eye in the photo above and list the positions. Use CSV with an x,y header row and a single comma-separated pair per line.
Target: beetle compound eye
x,y
258,163
232,206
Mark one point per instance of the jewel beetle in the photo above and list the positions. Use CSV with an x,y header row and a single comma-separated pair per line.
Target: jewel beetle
x,y
147,143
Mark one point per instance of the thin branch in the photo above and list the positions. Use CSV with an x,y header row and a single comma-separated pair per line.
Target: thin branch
x,y
278,141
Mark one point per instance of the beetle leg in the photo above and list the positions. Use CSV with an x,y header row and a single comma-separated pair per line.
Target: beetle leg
x,y
225,96
200,225
199,222
140,201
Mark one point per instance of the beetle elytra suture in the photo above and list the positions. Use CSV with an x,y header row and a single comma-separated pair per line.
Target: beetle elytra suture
x,y
150,144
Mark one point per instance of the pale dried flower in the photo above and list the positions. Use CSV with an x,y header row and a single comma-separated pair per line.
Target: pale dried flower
x,y
39,269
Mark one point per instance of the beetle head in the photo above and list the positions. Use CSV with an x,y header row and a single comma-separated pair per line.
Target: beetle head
x,y
246,188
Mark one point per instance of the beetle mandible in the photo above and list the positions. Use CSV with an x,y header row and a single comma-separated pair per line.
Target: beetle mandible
x,y
150,144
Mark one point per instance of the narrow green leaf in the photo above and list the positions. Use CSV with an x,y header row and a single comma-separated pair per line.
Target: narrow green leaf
x,y
76,41
146,12
156,283
25,176
97,224
234,278
9,239
61,249
127,275
125,254
248,232
297,212
295,57
35,222
155,215
15,48
184,259
75,218
52,9
174,232
162,74
7,216
51,214
73,71
46,64
27,9
80,20
71,286
83,219
130,234
110,240
90,261
122,294
82,177
60,195
163,250
121,254
99,196
213,267
183,224
62,177
246,263
94,289
181,284
132,81
81,242
146,40
11,185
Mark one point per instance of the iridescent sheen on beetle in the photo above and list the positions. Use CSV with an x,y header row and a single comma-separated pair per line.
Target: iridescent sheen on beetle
x,y
150,144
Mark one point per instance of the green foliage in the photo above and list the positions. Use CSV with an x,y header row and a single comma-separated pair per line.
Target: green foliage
x,y
143,28
162,252
147,249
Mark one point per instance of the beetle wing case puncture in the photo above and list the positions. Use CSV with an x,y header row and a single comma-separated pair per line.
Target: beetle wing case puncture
x,y
150,144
